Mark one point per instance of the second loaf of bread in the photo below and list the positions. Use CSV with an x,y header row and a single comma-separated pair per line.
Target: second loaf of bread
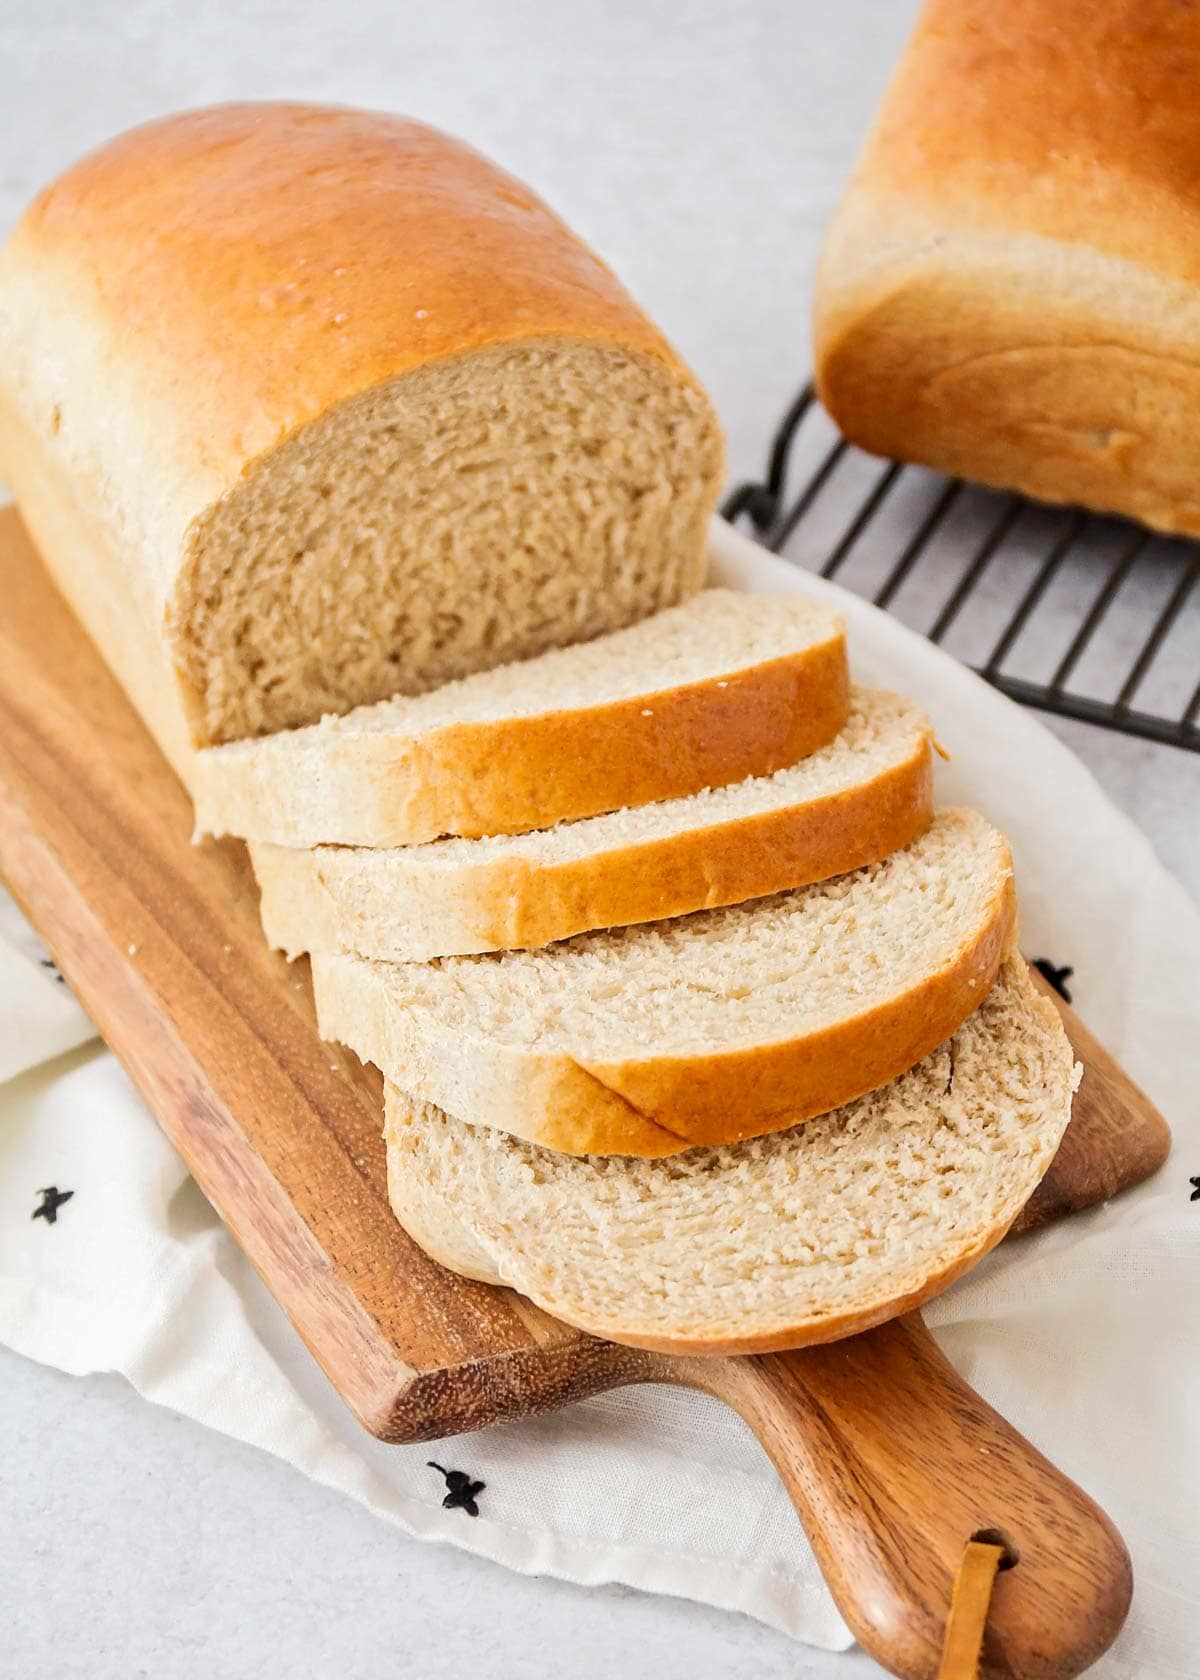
x,y
1010,290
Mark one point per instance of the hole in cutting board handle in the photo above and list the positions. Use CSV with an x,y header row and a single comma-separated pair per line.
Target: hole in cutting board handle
x,y
997,1537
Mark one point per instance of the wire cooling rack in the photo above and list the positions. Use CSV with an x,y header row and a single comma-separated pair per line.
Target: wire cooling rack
x,y
1089,617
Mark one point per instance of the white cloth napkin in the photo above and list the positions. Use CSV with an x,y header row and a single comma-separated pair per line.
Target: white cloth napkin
x,y
1087,1335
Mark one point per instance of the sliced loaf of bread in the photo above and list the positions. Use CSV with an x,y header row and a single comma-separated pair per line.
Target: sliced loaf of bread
x,y
848,804
800,1237
713,1027
726,686
305,407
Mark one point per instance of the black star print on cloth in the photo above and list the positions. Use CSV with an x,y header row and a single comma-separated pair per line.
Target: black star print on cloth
x,y
460,1490
1057,977
1195,1184
53,967
52,1199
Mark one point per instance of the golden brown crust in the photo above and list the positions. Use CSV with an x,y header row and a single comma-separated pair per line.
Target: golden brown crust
x,y
527,772
533,772
514,903
286,221
663,1105
740,1094
1075,120
1009,290
522,906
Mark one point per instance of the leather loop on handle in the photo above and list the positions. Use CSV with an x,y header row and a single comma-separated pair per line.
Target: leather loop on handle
x,y
968,1610
894,1464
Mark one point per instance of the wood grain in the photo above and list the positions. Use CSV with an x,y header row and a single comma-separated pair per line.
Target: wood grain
x,y
892,1461
160,940
893,1464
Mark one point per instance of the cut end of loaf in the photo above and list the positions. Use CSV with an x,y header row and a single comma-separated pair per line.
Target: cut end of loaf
x,y
800,1237
461,516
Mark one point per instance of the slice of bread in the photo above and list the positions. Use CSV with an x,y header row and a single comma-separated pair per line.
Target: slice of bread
x,y
804,1236
726,686
866,794
706,1029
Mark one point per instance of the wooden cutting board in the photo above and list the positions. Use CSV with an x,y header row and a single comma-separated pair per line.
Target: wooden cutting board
x,y
892,1461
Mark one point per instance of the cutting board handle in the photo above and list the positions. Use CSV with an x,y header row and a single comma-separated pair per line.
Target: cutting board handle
x,y
894,1464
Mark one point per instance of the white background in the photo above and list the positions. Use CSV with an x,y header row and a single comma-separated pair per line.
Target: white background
x,y
699,147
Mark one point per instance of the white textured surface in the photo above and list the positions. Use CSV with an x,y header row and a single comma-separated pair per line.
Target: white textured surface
x,y
700,149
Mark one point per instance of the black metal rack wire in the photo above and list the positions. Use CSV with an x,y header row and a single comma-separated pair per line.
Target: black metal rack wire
x,y
1092,618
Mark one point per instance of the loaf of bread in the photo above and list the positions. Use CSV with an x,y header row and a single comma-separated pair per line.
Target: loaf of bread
x,y
714,1027
1010,290
848,804
799,1237
306,407
725,686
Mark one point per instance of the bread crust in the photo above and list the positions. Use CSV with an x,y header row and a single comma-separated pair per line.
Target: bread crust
x,y
283,222
1010,291
659,1105
516,903
503,777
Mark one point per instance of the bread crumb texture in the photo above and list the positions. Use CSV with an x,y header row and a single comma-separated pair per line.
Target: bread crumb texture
x,y
790,1237
464,515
